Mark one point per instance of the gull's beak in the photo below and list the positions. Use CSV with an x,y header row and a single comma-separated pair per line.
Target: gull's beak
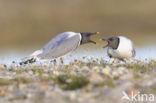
x,y
108,43
92,42
94,33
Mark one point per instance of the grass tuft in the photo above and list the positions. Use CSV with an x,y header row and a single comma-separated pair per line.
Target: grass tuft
x,y
71,82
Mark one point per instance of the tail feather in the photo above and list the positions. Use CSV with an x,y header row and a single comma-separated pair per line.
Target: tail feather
x,y
31,60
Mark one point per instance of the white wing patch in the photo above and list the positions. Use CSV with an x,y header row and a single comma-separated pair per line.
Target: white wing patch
x,y
60,45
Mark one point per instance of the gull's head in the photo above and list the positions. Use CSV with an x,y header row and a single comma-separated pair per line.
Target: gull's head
x,y
86,37
112,42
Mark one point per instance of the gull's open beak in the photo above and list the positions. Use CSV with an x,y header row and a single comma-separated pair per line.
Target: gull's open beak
x,y
108,43
94,33
93,42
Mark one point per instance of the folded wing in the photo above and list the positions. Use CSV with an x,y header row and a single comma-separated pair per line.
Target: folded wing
x,y
60,45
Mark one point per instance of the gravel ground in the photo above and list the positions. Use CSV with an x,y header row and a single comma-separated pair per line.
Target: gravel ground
x,y
94,81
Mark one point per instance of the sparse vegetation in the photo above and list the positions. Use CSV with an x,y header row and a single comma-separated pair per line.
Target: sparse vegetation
x,y
146,67
71,82
77,79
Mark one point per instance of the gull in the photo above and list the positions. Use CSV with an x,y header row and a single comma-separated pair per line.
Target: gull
x,y
60,45
120,47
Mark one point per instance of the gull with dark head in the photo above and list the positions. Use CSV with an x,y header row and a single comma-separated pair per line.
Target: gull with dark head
x,y
120,47
60,45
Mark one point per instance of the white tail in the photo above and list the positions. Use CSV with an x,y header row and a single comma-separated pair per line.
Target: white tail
x,y
32,58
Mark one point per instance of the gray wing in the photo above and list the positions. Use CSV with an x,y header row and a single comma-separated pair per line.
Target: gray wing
x,y
60,45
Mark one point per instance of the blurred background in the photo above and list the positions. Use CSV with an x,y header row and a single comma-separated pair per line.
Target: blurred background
x,y
27,25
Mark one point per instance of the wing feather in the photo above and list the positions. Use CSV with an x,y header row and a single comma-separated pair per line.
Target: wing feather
x,y
60,45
